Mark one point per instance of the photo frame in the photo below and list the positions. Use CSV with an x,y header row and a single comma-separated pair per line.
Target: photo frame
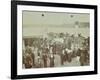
x,y
32,23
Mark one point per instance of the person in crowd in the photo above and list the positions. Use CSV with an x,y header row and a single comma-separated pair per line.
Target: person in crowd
x,y
69,55
39,63
83,57
57,60
54,48
63,57
28,60
44,57
51,60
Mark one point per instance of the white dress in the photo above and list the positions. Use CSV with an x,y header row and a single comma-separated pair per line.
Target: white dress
x,y
57,60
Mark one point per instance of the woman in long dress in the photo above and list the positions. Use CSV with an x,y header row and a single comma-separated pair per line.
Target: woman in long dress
x,y
57,60
51,60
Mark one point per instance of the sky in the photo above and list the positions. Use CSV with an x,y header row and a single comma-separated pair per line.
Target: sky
x,y
31,18
40,23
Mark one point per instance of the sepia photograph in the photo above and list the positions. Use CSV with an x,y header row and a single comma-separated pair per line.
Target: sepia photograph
x,y
55,39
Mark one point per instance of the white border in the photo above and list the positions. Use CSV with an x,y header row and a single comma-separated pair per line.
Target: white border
x,y
21,71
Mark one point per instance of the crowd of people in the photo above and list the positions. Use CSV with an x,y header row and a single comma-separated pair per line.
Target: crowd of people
x,y
54,50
